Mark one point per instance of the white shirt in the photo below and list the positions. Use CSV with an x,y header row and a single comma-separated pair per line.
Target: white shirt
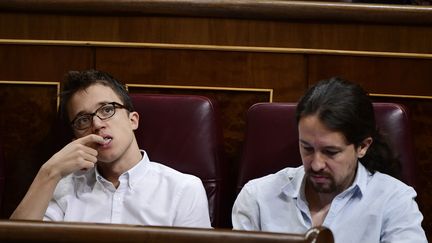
x,y
149,194
375,208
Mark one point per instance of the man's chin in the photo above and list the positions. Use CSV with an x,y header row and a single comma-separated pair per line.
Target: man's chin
x,y
328,187
323,188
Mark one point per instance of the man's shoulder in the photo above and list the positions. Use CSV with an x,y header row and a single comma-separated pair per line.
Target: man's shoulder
x,y
385,179
168,173
386,185
279,178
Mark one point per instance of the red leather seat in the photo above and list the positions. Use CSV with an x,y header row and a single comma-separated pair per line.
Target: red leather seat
x,y
271,141
184,132
394,122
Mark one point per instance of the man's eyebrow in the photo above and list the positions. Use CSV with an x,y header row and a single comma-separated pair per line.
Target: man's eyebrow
x,y
333,147
81,113
325,147
102,103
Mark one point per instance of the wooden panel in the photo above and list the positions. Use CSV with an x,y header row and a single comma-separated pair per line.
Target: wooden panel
x,y
263,9
29,109
28,112
241,32
400,76
47,63
283,72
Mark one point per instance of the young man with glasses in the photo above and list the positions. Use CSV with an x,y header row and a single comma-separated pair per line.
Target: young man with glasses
x,y
102,176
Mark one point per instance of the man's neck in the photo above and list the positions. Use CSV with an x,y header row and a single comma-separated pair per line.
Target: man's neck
x,y
112,171
318,200
319,204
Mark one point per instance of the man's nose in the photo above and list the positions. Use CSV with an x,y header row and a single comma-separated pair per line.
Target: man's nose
x,y
318,162
97,123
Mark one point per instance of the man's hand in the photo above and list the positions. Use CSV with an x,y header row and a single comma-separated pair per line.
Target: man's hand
x,y
80,154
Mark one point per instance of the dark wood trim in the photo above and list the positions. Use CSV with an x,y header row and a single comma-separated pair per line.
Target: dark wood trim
x,y
246,9
36,231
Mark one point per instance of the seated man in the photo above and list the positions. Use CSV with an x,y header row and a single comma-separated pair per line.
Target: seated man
x,y
102,176
345,183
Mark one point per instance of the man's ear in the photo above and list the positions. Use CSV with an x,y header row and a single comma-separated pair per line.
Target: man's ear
x,y
364,146
134,119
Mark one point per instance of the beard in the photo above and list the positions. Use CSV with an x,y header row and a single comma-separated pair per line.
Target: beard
x,y
328,185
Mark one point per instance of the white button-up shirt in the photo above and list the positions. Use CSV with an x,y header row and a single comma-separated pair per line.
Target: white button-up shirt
x,y
149,194
375,208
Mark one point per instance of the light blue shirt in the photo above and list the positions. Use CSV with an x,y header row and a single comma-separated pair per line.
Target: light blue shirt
x,y
375,208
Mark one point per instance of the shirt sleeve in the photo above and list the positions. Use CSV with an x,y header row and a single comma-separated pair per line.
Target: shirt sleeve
x,y
57,205
402,219
193,210
245,213
53,212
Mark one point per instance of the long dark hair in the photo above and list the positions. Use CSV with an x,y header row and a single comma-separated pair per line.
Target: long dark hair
x,y
345,107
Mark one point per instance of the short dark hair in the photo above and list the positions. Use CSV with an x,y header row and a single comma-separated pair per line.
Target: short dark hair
x,y
75,81
345,107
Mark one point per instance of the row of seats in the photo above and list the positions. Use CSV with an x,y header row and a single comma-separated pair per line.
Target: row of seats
x,y
185,133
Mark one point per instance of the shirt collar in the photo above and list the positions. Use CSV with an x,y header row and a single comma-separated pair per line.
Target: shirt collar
x,y
137,172
294,185
132,176
358,186
361,179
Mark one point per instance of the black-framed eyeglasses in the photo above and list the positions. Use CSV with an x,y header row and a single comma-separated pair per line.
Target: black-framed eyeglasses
x,y
104,112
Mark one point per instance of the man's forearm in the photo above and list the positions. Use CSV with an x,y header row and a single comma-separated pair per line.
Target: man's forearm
x,y
35,202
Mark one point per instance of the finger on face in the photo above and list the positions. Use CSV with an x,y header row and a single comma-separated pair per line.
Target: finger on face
x,y
91,140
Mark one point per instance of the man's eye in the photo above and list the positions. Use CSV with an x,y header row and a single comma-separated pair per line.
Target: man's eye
x,y
307,149
107,110
83,120
330,152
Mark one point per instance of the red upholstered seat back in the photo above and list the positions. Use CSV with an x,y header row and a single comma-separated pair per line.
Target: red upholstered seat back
x,y
394,122
184,132
271,141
